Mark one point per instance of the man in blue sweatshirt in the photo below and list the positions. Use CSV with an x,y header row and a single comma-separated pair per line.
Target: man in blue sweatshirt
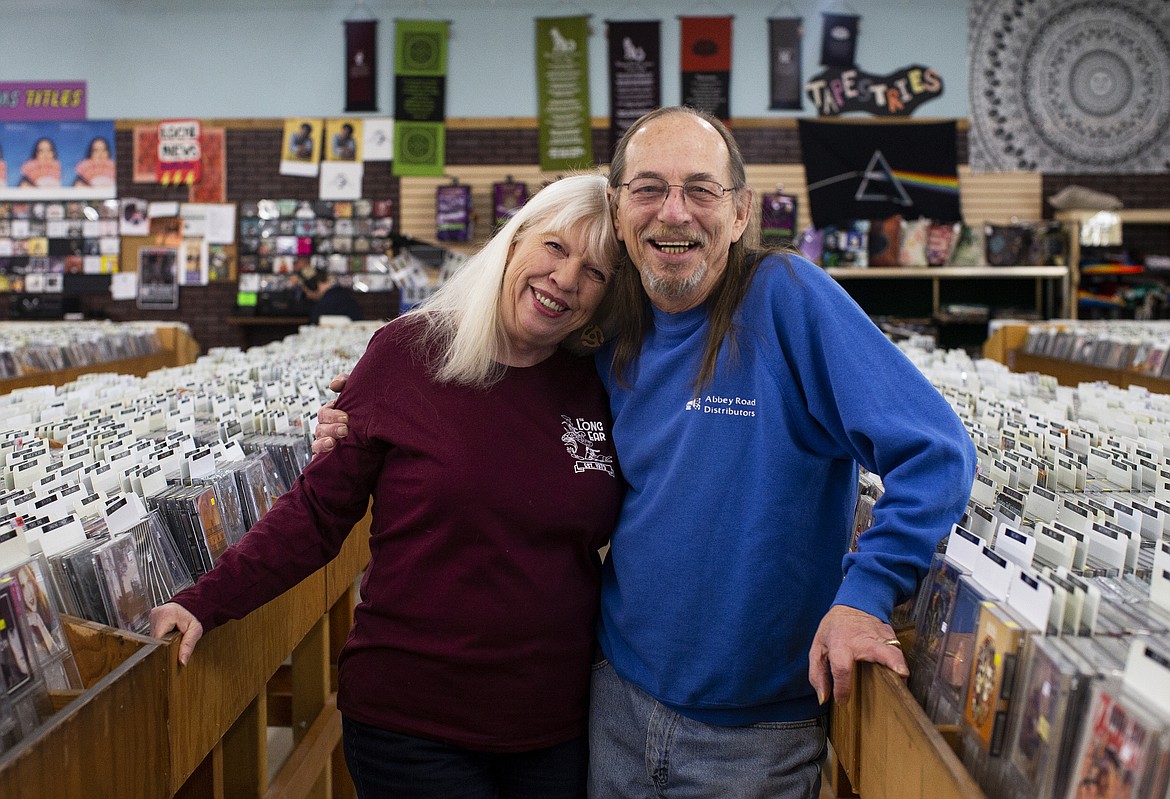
x,y
744,395
746,389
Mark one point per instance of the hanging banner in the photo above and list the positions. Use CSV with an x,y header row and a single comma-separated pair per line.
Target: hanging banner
x,y
784,36
420,96
361,65
57,160
706,65
562,87
179,152
839,40
44,100
876,171
635,73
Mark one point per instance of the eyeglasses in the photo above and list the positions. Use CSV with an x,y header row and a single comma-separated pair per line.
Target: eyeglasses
x,y
698,193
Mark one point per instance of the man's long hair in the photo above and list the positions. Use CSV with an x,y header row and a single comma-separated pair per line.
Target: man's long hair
x,y
726,296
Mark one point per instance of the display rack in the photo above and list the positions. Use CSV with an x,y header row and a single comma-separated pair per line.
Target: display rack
x,y
146,727
1074,219
1042,275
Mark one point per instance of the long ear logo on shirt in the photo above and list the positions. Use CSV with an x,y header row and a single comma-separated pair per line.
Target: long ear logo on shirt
x,y
581,439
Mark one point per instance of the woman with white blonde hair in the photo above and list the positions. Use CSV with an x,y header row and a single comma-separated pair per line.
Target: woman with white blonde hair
x,y
487,448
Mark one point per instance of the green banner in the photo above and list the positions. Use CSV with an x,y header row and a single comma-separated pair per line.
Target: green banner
x,y
562,81
420,96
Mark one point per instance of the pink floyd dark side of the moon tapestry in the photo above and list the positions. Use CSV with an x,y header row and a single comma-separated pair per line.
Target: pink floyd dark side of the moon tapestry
x,y
1069,86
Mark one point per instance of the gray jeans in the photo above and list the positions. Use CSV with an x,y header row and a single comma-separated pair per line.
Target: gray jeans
x,y
640,749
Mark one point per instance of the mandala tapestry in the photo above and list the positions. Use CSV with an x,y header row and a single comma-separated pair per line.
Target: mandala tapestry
x,y
1069,86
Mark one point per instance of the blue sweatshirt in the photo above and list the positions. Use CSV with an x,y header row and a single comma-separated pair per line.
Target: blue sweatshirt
x,y
732,541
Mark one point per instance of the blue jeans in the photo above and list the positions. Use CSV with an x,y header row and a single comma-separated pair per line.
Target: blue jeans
x,y
389,765
640,749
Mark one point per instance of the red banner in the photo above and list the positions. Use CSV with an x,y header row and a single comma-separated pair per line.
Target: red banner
x,y
706,64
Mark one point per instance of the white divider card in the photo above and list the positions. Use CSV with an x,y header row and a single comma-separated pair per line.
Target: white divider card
x,y
1015,545
200,464
280,424
1147,674
1152,520
1031,598
102,479
1148,471
1074,602
13,548
1162,488
139,425
1054,548
994,573
963,547
309,424
1056,608
271,391
123,512
1100,511
1066,475
230,430
70,493
1090,606
142,451
52,506
1042,504
1126,516
27,472
1011,500
50,482
57,537
90,504
983,523
1124,474
233,452
121,461
1107,546
153,480
1160,577
1075,515
169,459
1000,473
185,406
983,490
984,457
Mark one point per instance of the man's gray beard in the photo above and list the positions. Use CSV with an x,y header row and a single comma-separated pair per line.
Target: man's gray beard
x,y
672,288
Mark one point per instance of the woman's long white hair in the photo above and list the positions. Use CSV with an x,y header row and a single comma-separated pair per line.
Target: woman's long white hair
x,y
463,315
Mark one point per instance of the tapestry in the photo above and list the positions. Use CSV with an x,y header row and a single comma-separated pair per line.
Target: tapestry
x,y
562,88
420,97
858,171
784,37
361,65
1080,86
635,73
706,64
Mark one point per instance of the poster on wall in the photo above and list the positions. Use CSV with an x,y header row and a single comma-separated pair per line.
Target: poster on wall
x,y
562,89
158,278
57,160
420,97
211,185
706,65
635,73
1065,88
878,171
180,153
343,139
301,149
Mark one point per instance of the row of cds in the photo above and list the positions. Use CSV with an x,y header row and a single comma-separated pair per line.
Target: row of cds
x,y
117,492
1042,631
1139,346
28,349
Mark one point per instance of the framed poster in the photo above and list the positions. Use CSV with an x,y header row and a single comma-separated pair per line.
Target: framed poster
x,y
158,278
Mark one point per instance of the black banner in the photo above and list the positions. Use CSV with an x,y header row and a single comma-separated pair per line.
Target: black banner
x,y
858,171
839,40
784,37
706,64
635,73
361,65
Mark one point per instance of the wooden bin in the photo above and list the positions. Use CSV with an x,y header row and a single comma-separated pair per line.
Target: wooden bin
x,y
73,753
888,748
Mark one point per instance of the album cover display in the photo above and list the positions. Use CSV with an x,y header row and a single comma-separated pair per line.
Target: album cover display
x,y
1122,748
120,581
1051,696
932,617
998,640
55,238
164,571
949,689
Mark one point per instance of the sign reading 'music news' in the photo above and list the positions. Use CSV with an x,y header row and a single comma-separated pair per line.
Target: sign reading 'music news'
x,y
39,101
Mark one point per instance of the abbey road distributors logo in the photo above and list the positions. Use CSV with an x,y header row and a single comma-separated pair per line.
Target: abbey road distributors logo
x,y
580,440
722,406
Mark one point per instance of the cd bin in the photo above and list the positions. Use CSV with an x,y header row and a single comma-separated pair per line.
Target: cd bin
x,y
146,727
